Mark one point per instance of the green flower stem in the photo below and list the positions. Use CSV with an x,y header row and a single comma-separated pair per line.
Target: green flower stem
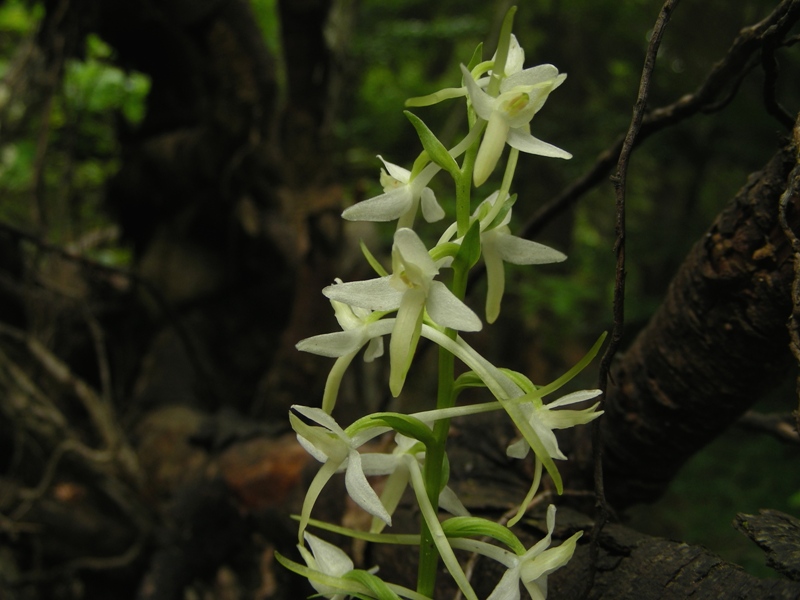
x,y
438,537
435,453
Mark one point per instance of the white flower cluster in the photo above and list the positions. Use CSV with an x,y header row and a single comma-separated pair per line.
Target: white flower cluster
x,y
411,302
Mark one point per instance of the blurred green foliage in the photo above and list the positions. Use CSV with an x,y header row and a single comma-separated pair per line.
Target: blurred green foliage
x,y
60,132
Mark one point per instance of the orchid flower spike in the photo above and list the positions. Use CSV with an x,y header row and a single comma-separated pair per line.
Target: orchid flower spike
x,y
332,446
400,199
411,290
508,115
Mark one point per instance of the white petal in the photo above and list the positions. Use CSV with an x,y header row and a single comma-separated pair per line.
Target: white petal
x,y
482,102
495,275
525,142
494,140
564,419
318,454
547,437
532,76
508,588
361,492
450,502
405,336
386,207
375,294
374,349
320,416
520,251
574,397
374,463
448,311
550,560
515,58
330,559
518,449
413,251
431,210
402,175
333,345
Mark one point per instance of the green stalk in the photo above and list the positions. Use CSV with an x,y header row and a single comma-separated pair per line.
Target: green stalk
x,y
434,455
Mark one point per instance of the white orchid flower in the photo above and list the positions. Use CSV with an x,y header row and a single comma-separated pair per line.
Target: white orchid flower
x,y
327,559
543,420
508,115
411,290
337,450
396,467
401,198
532,568
359,329
499,246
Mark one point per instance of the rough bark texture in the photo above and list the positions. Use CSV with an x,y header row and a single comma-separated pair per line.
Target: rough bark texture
x,y
715,345
778,534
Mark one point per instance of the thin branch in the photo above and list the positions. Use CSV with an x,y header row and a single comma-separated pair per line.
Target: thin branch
x,y
100,412
619,179
770,65
778,425
792,195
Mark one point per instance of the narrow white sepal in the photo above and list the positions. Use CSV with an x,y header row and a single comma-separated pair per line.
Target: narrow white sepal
x,y
525,142
448,311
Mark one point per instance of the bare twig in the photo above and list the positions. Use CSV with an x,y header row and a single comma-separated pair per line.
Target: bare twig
x,y
100,412
778,425
791,197
619,179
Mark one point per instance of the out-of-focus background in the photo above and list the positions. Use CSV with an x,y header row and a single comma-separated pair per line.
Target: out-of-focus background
x,y
171,179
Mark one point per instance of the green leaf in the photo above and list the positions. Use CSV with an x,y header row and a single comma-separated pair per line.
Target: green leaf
x,y
404,424
433,146
476,527
470,250
372,582
468,380
477,57
373,262
525,384
551,387
318,577
406,539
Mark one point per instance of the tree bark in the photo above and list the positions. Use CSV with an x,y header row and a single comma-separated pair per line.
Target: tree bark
x,y
713,348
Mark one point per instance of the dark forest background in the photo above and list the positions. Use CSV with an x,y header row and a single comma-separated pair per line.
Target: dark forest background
x,y
171,179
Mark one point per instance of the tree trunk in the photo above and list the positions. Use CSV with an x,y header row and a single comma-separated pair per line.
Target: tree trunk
x,y
715,346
